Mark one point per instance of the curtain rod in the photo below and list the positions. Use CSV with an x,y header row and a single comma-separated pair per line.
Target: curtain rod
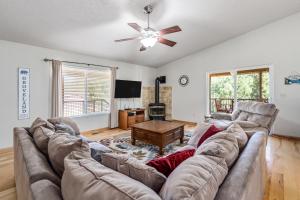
x,y
88,64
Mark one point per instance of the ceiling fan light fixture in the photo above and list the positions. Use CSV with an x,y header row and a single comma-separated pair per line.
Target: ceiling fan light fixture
x,y
149,42
150,37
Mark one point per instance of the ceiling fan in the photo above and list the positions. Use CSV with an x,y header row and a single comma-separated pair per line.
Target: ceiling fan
x,y
149,36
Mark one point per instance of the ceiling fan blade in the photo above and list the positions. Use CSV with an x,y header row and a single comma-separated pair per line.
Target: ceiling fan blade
x,y
126,39
136,26
169,30
167,42
143,48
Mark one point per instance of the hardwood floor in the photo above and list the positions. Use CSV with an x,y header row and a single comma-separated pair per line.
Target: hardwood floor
x,y
283,162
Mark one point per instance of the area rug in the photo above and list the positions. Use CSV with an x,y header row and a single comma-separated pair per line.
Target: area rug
x,y
141,151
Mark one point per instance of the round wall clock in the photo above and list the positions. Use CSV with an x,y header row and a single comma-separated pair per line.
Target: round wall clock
x,y
183,80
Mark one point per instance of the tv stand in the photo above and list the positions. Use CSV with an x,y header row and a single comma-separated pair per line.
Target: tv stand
x,y
129,117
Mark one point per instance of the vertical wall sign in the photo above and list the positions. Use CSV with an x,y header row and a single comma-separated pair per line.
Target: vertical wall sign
x,y
24,93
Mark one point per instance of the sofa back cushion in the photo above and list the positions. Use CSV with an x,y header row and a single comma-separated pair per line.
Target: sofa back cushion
x,y
197,178
65,120
134,169
38,122
41,138
222,145
60,145
238,132
87,179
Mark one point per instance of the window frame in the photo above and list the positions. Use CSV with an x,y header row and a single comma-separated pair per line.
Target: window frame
x,y
234,72
85,107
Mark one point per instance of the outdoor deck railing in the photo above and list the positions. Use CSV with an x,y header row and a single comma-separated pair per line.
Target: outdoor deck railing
x,y
227,104
75,107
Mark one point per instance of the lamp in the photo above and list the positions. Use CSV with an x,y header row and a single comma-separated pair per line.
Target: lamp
x,y
150,38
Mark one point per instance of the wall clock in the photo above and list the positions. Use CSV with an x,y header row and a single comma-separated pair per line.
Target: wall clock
x,y
183,80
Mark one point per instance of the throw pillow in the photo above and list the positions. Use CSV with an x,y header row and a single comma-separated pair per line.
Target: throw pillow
x,y
210,132
41,137
166,165
98,149
134,169
238,132
198,133
60,145
64,128
40,122
87,179
66,120
199,177
222,145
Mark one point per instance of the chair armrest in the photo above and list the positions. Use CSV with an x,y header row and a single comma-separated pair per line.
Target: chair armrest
x,y
224,116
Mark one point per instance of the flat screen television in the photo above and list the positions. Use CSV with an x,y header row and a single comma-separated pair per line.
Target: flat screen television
x,y
128,89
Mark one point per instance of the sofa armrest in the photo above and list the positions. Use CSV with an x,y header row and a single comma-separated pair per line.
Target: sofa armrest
x,y
224,116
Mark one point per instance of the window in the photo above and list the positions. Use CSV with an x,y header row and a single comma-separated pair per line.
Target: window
x,y
85,90
225,89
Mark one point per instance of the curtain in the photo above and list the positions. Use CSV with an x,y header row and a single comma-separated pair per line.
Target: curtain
x,y
113,119
56,95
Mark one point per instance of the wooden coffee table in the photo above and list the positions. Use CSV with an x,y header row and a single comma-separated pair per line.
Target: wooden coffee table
x,y
159,133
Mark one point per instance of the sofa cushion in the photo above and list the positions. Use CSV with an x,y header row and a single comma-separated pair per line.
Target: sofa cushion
x,y
210,132
135,169
222,145
197,178
221,124
87,179
60,145
97,150
252,131
198,133
40,122
41,138
64,128
236,130
46,190
243,116
167,164
65,120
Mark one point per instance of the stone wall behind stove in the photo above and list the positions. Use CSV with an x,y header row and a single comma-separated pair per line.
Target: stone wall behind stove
x,y
165,96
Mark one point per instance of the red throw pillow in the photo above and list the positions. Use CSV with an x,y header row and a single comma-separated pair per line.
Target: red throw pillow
x,y
210,132
166,165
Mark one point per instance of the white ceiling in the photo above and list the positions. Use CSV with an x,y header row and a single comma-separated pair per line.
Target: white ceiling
x,y
91,26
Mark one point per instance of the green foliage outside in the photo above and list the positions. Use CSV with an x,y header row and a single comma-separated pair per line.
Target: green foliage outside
x,y
222,87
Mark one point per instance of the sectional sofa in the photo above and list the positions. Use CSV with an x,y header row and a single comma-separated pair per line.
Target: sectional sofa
x,y
85,177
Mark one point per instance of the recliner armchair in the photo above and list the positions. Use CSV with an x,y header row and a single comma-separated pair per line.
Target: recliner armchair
x,y
251,116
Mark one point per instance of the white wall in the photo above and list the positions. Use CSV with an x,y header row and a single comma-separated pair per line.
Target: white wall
x,y
15,55
277,44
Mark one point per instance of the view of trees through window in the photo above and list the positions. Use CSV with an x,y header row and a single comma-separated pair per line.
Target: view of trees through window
x,y
251,85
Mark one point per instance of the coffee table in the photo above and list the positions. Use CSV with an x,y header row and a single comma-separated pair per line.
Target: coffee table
x,y
156,132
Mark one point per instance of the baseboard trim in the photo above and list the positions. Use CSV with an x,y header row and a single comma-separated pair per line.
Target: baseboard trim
x,y
95,131
185,122
285,137
6,150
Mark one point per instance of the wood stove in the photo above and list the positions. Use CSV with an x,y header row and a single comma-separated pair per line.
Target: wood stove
x,y
157,110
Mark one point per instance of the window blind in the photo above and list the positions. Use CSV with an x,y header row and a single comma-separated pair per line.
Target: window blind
x,y
85,90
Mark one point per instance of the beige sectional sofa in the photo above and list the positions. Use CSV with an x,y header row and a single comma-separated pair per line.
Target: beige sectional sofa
x,y
36,180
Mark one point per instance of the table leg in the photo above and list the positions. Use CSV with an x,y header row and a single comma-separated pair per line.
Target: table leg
x,y
182,135
161,150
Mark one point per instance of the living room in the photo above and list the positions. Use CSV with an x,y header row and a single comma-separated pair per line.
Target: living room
x,y
187,81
